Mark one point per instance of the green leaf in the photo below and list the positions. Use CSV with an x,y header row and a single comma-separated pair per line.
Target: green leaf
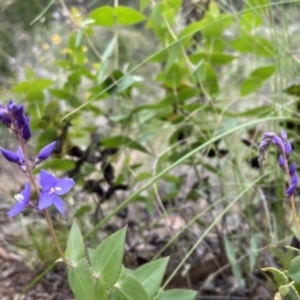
x,y
250,85
119,140
29,73
172,56
234,265
101,290
263,73
293,90
144,4
275,277
82,211
253,44
175,4
103,16
33,89
79,37
75,244
217,59
289,292
107,259
294,270
109,49
150,275
249,21
176,294
128,16
129,288
59,164
81,281
253,253
284,255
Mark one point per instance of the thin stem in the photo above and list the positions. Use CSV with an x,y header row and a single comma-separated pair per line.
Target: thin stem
x,y
35,185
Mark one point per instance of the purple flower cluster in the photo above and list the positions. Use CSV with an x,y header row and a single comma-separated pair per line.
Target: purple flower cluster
x,y
285,149
13,117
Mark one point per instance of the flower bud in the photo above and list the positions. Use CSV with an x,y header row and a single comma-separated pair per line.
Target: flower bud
x,y
10,156
45,152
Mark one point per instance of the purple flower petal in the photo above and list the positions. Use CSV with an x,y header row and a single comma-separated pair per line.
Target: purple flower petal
x,y
23,198
293,168
26,132
10,156
58,203
283,135
294,179
12,106
288,148
281,161
47,180
268,135
46,152
19,112
291,190
279,143
45,201
63,185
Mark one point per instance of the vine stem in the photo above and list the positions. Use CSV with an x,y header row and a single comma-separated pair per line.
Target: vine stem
x,y
35,185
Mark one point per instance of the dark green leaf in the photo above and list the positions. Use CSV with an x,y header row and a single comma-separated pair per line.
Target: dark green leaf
x,y
293,90
118,141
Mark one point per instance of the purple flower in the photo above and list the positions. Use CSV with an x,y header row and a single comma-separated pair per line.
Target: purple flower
x,y
279,143
13,157
283,135
294,182
288,148
268,135
23,200
45,153
281,161
293,168
52,188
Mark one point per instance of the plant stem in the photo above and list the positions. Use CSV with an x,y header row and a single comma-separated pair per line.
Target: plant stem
x,y
295,219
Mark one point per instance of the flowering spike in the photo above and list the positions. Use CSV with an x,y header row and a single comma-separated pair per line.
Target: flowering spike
x,y
45,152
